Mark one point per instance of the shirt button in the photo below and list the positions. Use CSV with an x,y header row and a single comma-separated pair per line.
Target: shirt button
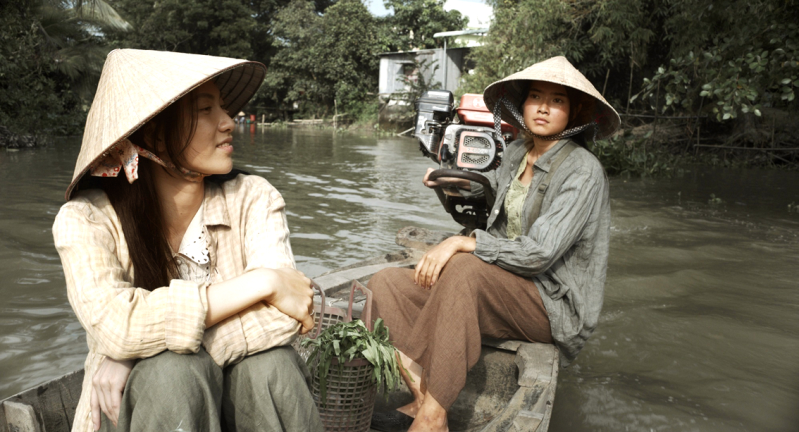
x,y
496,211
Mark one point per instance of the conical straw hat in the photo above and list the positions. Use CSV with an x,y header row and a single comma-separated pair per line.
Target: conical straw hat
x,y
556,70
136,85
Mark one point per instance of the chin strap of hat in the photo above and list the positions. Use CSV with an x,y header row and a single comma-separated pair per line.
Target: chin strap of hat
x,y
124,156
520,119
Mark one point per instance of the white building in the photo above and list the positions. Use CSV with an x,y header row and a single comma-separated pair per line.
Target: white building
x,y
440,65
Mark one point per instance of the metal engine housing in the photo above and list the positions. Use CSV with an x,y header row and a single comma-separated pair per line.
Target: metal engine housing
x,y
472,148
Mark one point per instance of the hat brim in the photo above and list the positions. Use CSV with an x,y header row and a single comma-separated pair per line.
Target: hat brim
x,y
558,71
113,118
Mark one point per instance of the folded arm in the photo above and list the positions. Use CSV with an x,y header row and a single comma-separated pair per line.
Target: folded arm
x,y
285,310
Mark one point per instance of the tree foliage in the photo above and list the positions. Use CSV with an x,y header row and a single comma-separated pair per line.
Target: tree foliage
x,y
320,54
229,28
414,23
741,56
328,58
595,35
212,27
323,59
699,56
50,59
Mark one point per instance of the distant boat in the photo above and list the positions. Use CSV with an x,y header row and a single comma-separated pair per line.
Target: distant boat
x,y
512,387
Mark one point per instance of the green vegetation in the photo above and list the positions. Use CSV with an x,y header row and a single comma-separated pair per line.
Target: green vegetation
x,y
734,63
414,23
729,71
50,59
321,54
741,52
344,342
327,63
322,60
630,156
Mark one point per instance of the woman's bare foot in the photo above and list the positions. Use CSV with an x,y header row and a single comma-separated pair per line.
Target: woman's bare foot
x,y
411,409
431,417
413,377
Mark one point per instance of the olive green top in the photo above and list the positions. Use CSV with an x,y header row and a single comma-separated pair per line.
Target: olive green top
x,y
514,201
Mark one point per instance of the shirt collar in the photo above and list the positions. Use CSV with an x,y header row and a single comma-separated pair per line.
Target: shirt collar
x,y
194,244
216,212
545,160
193,231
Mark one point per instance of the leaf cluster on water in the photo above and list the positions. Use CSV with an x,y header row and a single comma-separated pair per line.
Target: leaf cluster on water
x,y
347,341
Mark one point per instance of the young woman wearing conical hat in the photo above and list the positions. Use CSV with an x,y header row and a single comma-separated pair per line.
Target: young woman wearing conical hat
x,y
536,273
180,270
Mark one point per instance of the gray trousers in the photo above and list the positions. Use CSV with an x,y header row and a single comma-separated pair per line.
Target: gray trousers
x,y
173,392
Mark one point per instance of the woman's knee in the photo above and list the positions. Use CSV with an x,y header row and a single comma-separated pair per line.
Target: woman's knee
x,y
464,264
271,366
169,374
278,374
463,273
173,390
270,391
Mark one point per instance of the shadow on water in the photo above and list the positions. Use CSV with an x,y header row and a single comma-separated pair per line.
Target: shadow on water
x,y
699,330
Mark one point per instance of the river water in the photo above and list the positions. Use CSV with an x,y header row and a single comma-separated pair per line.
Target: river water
x,y
700,327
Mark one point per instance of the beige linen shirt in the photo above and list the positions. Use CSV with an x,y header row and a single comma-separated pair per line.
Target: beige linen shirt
x,y
246,226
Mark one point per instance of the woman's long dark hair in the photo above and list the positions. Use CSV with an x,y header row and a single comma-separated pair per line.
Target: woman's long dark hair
x,y
137,204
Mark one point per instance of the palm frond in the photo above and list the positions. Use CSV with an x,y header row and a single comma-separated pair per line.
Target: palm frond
x,y
100,13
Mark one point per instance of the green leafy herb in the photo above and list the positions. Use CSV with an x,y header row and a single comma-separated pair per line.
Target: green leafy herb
x,y
348,341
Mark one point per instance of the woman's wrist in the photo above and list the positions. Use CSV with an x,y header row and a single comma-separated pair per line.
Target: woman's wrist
x,y
267,281
462,243
467,244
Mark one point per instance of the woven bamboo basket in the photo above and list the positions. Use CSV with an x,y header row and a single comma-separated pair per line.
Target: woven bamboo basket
x,y
350,397
351,391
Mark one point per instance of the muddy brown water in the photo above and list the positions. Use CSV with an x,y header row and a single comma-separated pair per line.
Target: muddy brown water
x,y
700,327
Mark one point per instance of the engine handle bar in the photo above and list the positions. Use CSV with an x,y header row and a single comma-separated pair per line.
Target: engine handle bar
x,y
466,175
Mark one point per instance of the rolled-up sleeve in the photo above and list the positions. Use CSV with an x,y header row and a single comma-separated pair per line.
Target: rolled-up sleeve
x,y
266,232
551,235
124,322
266,245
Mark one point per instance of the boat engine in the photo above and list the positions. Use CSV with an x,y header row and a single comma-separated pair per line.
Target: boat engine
x,y
464,143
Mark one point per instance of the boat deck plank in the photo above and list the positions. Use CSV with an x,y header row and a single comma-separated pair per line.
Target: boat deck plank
x,y
54,402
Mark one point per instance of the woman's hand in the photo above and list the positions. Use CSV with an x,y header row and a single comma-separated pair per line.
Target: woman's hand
x,y
445,181
293,296
107,386
429,267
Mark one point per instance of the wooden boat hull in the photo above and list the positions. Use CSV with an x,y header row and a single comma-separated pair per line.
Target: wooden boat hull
x,y
47,407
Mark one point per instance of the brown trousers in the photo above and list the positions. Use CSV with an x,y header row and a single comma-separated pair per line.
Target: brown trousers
x,y
441,328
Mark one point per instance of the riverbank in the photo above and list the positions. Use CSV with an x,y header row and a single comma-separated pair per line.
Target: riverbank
x,y
13,141
647,145
660,148
341,126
